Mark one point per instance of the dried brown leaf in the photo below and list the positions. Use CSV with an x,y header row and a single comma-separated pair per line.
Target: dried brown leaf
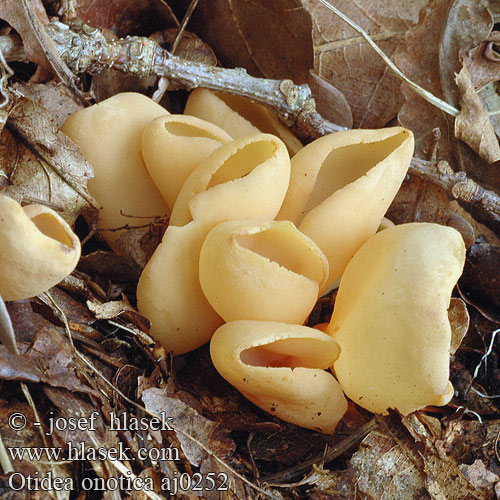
x,y
466,440
420,201
483,63
40,164
28,437
28,18
56,99
127,17
468,23
76,312
110,266
473,125
138,242
187,420
330,102
71,406
270,39
459,322
109,310
420,58
48,358
14,12
190,46
402,478
344,59
478,475
414,462
237,489
443,477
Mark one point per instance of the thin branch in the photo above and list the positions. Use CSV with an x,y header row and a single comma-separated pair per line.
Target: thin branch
x,y
88,51
461,188
425,94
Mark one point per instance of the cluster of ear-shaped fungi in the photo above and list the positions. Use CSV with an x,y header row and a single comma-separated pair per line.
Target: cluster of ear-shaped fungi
x,y
255,238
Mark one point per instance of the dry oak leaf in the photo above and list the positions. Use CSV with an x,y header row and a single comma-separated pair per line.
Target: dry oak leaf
x,y
483,61
28,437
473,125
187,420
421,59
270,39
394,463
28,18
190,46
15,13
38,164
468,23
345,60
330,102
127,17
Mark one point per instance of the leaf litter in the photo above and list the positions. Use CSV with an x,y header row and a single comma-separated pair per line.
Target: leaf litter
x,y
451,453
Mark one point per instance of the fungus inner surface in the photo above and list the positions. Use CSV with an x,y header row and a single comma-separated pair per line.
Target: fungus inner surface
x,y
187,130
344,165
51,227
291,353
281,244
242,162
256,114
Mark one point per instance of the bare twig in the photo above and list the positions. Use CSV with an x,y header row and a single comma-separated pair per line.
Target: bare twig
x,y
460,187
89,51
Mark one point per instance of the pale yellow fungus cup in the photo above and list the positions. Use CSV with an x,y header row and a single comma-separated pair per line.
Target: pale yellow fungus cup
x,y
238,116
391,318
169,292
244,179
267,271
38,249
282,369
172,146
110,135
342,184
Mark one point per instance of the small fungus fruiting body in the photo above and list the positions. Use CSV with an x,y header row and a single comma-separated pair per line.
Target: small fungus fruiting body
x,y
244,179
391,318
281,369
238,116
169,292
342,184
37,249
267,271
110,135
172,146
